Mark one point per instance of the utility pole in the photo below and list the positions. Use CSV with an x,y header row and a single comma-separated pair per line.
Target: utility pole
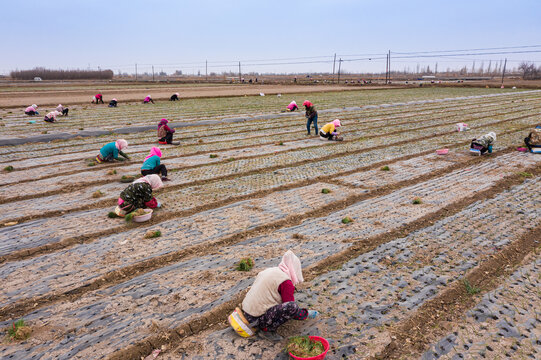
x,y
206,71
339,67
503,73
333,64
239,73
152,72
386,67
135,72
389,66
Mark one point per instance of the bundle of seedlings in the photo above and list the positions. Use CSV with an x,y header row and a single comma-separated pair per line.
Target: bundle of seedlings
x,y
304,347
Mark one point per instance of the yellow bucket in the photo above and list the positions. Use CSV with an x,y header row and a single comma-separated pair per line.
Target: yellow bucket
x,y
239,323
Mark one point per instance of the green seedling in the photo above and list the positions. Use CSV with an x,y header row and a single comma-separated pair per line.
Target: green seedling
x,y
525,174
153,234
347,220
81,128
97,194
212,156
417,200
112,215
231,159
111,172
129,217
470,289
19,331
127,178
280,143
385,168
325,191
8,168
245,264
304,347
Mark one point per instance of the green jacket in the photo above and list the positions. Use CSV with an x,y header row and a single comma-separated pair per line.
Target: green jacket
x,y
311,112
137,195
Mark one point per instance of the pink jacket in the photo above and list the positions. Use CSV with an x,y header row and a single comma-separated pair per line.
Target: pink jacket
x,y
30,108
147,99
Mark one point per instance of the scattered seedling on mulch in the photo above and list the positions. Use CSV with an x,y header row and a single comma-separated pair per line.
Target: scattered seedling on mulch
x,y
112,215
153,234
385,168
97,194
280,143
129,217
525,174
297,236
231,159
212,156
325,191
81,128
44,132
9,168
111,172
245,264
347,220
416,201
127,178
304,347
19,331
471,289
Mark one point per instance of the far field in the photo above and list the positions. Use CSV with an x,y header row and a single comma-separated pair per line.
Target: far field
x,y
456,275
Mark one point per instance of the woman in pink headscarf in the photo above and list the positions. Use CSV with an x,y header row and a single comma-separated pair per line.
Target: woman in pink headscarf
x,y
270,302
152,165
110,152
329,131
165,133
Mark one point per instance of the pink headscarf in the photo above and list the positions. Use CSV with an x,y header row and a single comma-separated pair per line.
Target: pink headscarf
x,y
307,103
162,123
336,123
121,144
154,151
153,179
291,265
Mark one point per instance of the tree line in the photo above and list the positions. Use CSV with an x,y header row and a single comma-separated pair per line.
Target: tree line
x,y
48,74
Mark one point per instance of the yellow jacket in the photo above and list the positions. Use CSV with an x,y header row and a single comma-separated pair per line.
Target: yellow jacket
x,y
328,128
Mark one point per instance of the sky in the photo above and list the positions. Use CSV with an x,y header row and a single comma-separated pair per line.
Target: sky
x,y
301,36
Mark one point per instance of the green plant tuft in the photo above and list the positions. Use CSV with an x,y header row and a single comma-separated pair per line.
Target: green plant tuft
x,y
245,264
525,174
347,220
304,347
325,191
19,330
112,214
153,234
417,200
385,168
129,217
470,289
9,168
212,156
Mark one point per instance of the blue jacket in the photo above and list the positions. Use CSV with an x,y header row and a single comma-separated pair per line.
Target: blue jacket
x,y
109,149
151,163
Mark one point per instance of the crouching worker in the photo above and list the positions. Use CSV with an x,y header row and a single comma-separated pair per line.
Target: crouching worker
x,y
270,302
31,110
483,144
62,109
97,99
51,117
328,131
148,99
292,106
152,165
110,152
165,133
138,195
175,97
533,141
113,103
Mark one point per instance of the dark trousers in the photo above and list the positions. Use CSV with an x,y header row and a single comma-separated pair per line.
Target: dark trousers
x,y
65,112
174,98
112,104
98,101
309,121
277,315
168,138
160,169
31,113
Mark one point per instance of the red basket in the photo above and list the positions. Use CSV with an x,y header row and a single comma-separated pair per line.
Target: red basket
x,y
318,357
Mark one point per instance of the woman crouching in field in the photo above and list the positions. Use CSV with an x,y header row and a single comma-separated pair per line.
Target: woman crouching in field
x,y
110,152
31,110
148,99
152,165
51,117
328,131
270,302
174,97
138,195
484,143
165,133
62,109
113,103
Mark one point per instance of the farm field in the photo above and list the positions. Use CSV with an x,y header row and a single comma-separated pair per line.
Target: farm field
x,y
455,275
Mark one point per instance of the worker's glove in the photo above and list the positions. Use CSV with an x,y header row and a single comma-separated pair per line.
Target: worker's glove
x,y
312,314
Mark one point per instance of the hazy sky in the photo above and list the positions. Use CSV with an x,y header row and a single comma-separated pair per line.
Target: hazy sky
x,y
183,34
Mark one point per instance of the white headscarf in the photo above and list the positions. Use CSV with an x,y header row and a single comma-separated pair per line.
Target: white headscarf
x,y
153,179
492,134
291,265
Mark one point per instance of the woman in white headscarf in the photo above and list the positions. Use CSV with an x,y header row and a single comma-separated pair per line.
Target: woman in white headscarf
x,y
270,301
484,143
138,195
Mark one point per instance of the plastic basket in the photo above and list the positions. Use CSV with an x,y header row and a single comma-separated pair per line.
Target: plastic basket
x,y
318,357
